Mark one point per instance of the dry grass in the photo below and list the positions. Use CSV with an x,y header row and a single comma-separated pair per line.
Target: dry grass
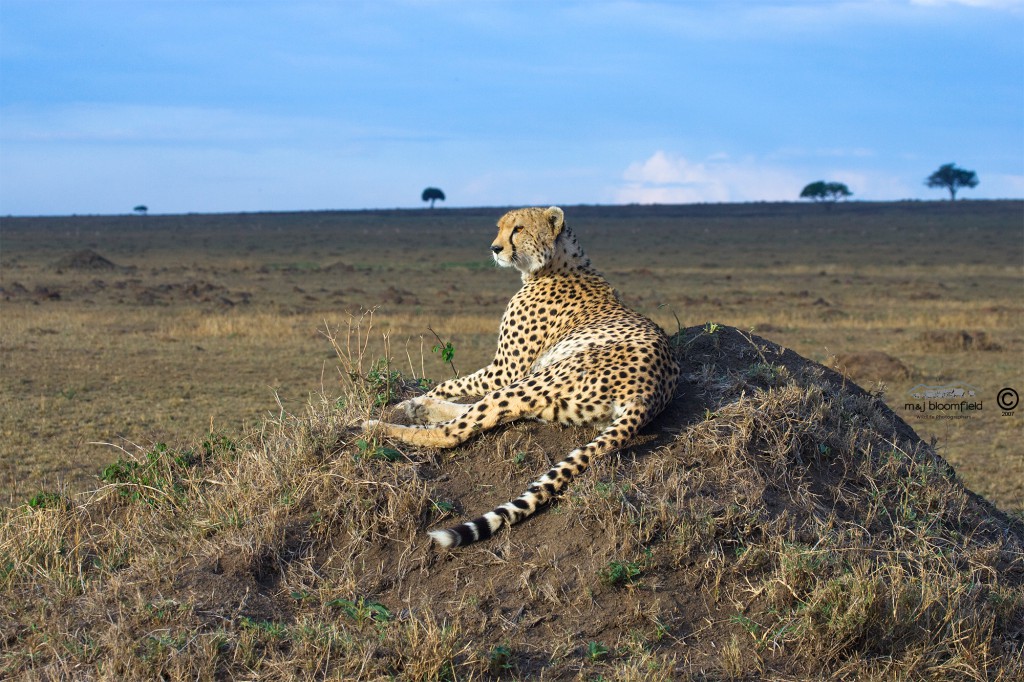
x,y
775,523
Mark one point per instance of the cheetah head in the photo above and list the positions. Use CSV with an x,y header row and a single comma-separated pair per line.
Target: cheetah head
x,y
526,238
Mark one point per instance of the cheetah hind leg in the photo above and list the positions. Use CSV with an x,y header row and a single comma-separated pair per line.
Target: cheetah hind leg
x,y
551,484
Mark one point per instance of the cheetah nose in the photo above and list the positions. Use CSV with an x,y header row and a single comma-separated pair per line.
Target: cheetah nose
x,y
496,248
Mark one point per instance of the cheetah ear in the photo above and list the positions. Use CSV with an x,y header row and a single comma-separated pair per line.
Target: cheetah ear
x,y
556,219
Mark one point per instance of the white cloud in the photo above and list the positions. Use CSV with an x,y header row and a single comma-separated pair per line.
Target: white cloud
x,y
666,178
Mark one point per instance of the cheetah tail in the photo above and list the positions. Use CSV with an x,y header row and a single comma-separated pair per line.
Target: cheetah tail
x,y
547,486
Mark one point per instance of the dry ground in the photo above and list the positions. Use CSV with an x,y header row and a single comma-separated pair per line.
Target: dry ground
x,y
212,322
776,522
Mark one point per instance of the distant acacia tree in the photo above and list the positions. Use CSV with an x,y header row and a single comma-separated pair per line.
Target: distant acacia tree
x,y
952,178
825,191
141,209
432,194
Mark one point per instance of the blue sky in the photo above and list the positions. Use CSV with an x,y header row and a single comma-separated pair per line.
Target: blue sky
x,y
204,105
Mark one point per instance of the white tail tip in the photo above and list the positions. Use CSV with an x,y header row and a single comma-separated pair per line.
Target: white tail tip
x,y
445,538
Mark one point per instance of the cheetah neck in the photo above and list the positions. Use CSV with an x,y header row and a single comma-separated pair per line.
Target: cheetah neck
x,y
566,256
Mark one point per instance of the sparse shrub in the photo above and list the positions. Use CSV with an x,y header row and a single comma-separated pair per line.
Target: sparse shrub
x,y
165,474
369,388
384,383
47,500
618,573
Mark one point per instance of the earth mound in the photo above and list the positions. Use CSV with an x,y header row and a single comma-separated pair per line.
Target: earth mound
x,y
775,522
84,260
870,366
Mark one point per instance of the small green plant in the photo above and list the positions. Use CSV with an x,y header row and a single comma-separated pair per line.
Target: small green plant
x,y
712,328
446,349
440,507
383,382
163,474
273,629
137,480
764,372
371,450
362,611
499,659
596,651
218,444
747,624
46,500
618,573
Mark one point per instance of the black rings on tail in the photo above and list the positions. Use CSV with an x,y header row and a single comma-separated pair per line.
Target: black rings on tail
x,y
550,484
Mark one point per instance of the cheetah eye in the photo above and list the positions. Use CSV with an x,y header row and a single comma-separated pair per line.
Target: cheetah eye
x,y
517,228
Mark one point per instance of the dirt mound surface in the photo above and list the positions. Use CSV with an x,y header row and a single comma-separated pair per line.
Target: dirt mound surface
x,y
776,521
86,259
193,291
870,366
951,342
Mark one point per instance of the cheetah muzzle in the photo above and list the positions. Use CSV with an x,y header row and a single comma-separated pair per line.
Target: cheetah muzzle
x,y
568,351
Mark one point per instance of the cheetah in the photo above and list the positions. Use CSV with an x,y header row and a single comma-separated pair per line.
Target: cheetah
x,y
568,351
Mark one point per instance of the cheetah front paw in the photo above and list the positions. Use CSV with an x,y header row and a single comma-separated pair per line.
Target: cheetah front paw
x,y
417,409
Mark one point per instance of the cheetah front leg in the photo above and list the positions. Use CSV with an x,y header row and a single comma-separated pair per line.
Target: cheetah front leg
x,y
498,407
425,409
431,408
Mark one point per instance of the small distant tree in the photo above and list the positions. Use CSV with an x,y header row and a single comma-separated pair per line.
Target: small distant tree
x,y
432,194
141,209
825,191
952,178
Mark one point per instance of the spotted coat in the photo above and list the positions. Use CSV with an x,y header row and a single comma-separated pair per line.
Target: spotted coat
x,y
568,351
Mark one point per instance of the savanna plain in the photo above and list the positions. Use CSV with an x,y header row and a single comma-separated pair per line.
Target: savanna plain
x,y
179,463
177,326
